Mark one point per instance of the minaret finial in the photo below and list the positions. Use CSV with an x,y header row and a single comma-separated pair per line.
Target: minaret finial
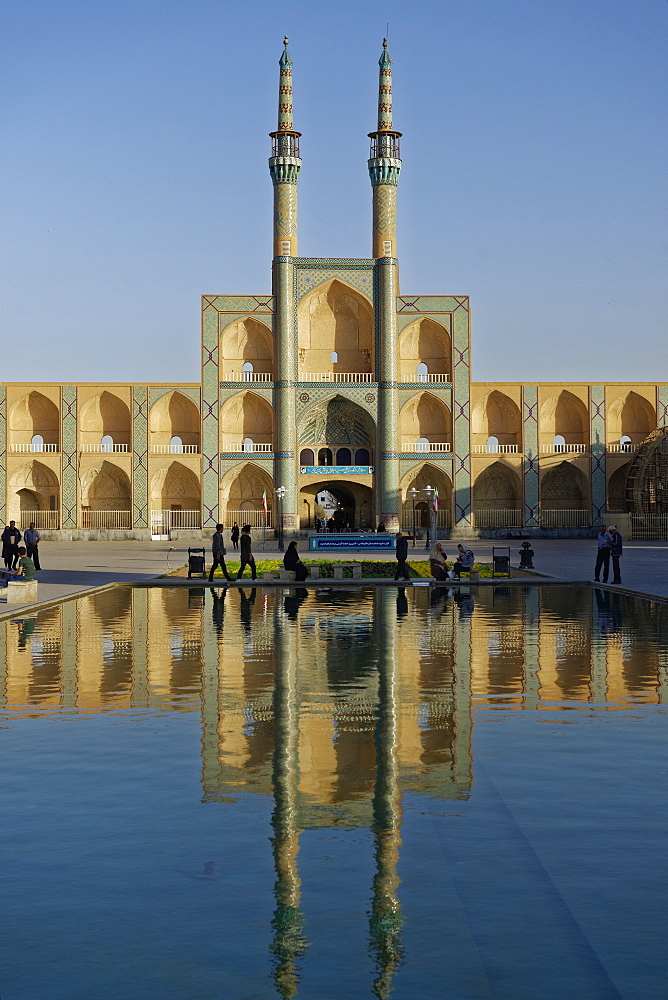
x,y
385,90
285,91
284,164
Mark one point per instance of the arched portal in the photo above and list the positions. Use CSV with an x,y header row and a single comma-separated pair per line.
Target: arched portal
x,y
105,420
247,346
497,497
106,487
564,414
631,417
335,320
33,488
175,496
349,504
564,488
496,416
336,423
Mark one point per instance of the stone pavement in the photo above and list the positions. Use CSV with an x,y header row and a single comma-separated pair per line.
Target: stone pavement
x,y
75,568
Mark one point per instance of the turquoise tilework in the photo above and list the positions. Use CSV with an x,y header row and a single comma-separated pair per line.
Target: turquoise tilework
x,y
460,406
420,305
316,394
241,305
531,470
68,447
210,408
308,276
3,452
662,406
285,340
597,440
140,456
388,505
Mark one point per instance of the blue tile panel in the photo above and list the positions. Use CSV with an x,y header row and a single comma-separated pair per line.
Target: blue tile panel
x,y
530,469
597,443
662,406
140,408
68,437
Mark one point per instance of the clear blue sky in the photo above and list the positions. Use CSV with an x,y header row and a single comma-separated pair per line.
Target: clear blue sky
x,y
134,173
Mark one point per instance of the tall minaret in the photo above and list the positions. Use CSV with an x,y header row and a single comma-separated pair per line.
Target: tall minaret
x,y
284,167
384,167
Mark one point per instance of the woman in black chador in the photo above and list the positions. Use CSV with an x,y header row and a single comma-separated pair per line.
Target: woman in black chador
x,y
291,561
234,536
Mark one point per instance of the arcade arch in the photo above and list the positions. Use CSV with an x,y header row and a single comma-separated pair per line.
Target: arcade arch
x,y
335,330
241,491
496,420
563,488
630,417
175,488
354,510
424,349
418,478
497,488
106,487
103,417
174,415
32,487
247,346
33,422
247,421
425,418
566,415
337,423
616,494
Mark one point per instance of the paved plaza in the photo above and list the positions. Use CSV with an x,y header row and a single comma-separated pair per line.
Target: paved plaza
x,y
75,568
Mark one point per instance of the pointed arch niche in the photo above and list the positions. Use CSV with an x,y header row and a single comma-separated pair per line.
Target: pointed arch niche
x,y
563,488
175,488
174,416
565,416
241,492
34,421
424,343
246,348
335,330
337,423
497,488
630,416
104,416
246,420
496,416
32,487
106,487
425,421
418,478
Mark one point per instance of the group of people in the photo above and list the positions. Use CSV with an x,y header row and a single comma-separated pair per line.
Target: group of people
x,y
240,539
438,561
609,546
22,560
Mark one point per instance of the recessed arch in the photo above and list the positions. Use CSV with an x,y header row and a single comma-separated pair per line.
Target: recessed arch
x,y
565,414
247,341
174,415
106,487
564,487
34,415
630,416
105,415
335,319
33,486
334,422
616,492
425,342
418,478
496,415
246,416
425,416
497,487
241,491
175,487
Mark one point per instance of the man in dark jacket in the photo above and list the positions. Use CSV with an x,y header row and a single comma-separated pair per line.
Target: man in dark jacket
x,y
11,537
615,552
218,552
402,556
245,552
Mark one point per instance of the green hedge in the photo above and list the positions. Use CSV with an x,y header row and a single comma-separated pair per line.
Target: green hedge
x,y
370,570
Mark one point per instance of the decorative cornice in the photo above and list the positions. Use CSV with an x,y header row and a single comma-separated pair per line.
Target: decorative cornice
x,y
384,170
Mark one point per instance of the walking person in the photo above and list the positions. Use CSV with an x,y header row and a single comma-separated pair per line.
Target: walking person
x,y
31,538
402,556
604,541
616,552
11,537
218,552
246,554
234,536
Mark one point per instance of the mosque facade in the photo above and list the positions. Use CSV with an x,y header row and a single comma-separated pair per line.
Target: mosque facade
x,y
336,382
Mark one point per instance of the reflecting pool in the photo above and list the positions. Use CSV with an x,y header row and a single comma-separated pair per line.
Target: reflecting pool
x,y
335,793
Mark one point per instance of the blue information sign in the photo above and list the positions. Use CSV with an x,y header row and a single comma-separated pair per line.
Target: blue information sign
x,y
336,470
362,541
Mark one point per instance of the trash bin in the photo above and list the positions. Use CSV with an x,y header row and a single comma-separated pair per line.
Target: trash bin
x,y
501,561
196,565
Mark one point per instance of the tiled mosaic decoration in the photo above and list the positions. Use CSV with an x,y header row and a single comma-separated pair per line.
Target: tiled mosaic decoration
x,y
68,437
3,452
597,439
461,414
309,274
531,461
140,456
662,406
210,406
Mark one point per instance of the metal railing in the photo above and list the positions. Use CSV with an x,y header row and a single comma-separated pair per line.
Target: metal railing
x,y
243,446
233,376
102,519
102,449
443,519
499,449
626,448
428,377
162,521
565,518
256,518
497,517
44,520
421,446
564,449
643,527
336,376
175,449
33,447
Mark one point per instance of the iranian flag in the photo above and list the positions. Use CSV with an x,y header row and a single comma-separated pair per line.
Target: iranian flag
x,y
434,503
264,501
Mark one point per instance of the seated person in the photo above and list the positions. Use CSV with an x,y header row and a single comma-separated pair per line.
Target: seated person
x,y
464,561
26,567
437,563
292,562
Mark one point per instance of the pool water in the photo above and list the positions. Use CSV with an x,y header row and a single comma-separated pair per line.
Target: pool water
x,y
335,793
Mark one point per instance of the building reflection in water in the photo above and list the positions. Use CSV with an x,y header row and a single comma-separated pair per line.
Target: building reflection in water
x,y
336,703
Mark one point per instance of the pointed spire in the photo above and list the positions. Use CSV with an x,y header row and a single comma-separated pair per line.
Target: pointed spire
x,y
385,90
285,91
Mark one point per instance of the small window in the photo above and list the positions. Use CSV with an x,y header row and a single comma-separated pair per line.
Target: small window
x,y
362,457
175,446
285,248
387,248
625,443
37,443
247,370
248,445
422,372
306,457
422,444
335,358
324,456
343,456
559,442
107,443
492,445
